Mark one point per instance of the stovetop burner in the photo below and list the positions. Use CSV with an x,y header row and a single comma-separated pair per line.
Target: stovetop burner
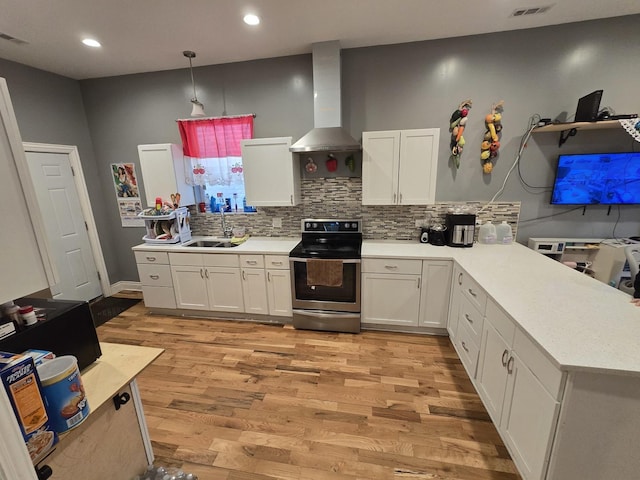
x,y
329,239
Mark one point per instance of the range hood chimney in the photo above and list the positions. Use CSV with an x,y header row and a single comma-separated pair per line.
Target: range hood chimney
x,y
328,134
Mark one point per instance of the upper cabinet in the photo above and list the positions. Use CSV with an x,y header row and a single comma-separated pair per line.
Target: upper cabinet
x,y
163,173
400,167
271,172
21,261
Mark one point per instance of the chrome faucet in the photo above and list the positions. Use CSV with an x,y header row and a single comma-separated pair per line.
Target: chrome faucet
x,y
226,231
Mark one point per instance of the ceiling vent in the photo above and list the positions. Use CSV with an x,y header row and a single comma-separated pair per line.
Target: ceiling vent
x,y
523,12
17,41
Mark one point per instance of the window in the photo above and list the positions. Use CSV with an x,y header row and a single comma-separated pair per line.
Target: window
x,y
214,158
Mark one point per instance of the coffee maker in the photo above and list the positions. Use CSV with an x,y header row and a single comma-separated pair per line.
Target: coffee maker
x,y
461,229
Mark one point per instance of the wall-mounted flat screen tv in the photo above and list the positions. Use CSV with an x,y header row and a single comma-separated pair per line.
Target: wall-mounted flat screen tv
x,y
597,178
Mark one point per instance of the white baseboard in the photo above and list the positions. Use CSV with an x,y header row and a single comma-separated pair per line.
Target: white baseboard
x,y
119,286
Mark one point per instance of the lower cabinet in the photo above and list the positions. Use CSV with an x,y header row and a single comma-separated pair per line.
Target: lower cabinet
x,y
521,390
255,284
156,280
207,282
405,293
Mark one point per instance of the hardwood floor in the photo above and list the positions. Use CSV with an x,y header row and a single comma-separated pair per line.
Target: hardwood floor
x,y
232,400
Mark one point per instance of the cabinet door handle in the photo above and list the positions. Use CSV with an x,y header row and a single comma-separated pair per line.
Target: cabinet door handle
x,y
472,293
391,267
394,197
464,345
268,276
202,273
244,277
510,366
460,278
276,263
400,200
251,262
154,277
419,280
469,319
291,200
206,272
505,354
151,259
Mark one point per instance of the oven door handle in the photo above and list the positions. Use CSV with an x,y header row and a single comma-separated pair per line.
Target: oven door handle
x,y
343,260
325,314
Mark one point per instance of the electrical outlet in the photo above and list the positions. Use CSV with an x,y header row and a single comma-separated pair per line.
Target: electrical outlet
x,y
277,222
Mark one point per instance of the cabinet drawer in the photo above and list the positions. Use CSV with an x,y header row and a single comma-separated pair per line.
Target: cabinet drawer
x,y
467,348
469,314
156,275
541,367
152,257
501,322
392,265
194,259
252,261
472,291
221,260
159,297
277,262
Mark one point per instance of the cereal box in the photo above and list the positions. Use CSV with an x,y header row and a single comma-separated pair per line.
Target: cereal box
x,y
21,381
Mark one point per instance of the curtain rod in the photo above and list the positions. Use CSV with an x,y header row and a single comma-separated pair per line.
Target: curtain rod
x,y
215,118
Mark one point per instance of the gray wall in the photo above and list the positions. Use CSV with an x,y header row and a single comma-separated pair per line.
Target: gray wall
x,y
413,85
49,109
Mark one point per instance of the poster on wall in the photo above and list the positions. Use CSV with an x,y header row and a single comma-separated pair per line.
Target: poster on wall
x,y
127,194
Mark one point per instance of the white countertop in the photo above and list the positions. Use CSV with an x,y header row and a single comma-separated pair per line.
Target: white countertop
x,y
257,245
581,323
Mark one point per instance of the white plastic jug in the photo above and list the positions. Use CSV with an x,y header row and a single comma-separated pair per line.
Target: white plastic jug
x,y
503,233
487,233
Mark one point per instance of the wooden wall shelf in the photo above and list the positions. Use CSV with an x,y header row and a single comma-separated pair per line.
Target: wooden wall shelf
x,y
570,129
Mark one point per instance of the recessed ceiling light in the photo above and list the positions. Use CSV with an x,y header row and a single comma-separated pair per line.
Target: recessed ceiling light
x,y
90,42
251,19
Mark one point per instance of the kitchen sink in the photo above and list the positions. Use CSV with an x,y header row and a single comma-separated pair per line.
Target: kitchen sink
x,y
211,244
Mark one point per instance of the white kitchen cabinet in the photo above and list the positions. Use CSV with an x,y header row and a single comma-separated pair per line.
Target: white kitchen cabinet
x,y
254,284
164,171
399,167
278,285
436,288
391,291
271,172
20,256
207,282
156,279
521,390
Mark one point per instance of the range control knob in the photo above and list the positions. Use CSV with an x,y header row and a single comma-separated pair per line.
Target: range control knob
x,y
347,226
307,225
315,225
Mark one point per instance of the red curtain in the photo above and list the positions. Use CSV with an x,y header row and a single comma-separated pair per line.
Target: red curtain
x,y
215,137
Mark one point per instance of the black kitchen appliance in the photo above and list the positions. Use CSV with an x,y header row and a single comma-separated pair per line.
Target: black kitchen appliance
x,y
325,276
67,330
437,234
461,229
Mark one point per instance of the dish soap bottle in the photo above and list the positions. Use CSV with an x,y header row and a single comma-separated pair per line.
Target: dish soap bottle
x,y
503,233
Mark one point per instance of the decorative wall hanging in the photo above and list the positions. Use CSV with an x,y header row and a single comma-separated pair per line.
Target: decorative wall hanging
x,y
491,142
456,127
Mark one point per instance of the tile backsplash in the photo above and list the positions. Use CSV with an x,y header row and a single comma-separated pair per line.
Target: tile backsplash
x,y
341,197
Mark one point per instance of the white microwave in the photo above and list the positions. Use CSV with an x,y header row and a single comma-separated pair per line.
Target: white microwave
x,y
546,246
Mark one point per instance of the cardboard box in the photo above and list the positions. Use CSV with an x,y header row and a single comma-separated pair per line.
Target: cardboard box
x,y
20,379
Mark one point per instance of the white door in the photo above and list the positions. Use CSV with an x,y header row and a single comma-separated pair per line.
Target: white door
x,y
436,285
65,226
279,291
390,299
225,289
254,289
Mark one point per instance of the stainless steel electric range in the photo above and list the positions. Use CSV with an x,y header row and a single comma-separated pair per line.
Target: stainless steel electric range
x,y
325,276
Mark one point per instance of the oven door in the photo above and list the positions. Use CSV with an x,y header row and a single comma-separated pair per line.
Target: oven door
x,y
345,298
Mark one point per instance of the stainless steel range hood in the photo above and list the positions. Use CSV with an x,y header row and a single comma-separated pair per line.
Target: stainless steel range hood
x,y
328,134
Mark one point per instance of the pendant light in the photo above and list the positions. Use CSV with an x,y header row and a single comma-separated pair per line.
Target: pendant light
x,y
198,108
